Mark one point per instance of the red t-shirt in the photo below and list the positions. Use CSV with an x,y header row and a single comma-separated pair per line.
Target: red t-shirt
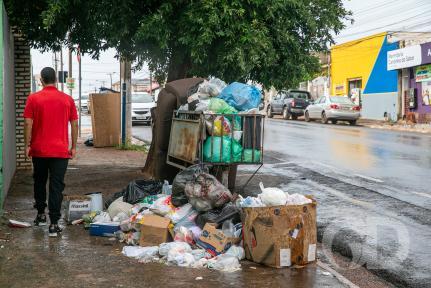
x,y
51,111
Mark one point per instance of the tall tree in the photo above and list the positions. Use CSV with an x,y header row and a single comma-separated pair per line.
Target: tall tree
x,y
271,42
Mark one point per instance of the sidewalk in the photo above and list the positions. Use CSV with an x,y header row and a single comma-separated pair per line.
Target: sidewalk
x,y
29,258
399,126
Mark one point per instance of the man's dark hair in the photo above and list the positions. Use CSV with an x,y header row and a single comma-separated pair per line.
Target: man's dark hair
x,y
48,75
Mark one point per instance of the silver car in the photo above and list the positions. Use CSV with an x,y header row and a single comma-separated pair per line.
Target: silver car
x,y
334,109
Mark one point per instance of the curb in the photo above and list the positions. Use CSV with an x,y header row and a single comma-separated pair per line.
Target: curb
x,y
337,275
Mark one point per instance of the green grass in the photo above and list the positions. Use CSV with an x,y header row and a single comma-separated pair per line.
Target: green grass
x,y
133,147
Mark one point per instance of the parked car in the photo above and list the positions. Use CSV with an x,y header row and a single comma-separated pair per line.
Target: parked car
x,y
333,109
290,104
141,105
84,103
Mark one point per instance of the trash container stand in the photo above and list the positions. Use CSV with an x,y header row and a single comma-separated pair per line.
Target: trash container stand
x,y
189,133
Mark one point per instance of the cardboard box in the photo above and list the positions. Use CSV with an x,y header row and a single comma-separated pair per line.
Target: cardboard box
x,y
154,230
76,206
214,240
106,119
280,236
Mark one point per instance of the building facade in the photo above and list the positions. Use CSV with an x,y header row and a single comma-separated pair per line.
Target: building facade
x,y
359,71
413,63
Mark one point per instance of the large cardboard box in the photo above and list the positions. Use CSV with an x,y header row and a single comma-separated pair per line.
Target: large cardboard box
x,y
280,236
154,230
76,206
106,119
214,240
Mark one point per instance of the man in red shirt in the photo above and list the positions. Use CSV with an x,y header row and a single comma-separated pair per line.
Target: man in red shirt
x,y
46,130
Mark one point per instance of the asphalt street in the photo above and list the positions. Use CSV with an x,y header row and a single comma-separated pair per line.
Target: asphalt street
x,y
372,186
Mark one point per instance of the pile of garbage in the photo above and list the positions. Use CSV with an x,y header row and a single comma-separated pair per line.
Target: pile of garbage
x,y
221,105
195,222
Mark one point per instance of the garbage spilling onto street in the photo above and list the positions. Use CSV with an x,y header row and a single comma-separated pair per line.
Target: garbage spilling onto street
x,y
197,222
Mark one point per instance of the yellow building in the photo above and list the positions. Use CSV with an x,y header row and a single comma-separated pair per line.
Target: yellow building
x,y
359,70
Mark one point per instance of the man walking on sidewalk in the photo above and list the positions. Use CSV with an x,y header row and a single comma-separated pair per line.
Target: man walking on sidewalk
x,y
46,130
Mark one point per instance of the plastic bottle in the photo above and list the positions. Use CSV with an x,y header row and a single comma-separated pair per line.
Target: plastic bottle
x,y
166,188
228,228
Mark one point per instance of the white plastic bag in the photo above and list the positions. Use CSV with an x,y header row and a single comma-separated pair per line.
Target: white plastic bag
x,y
178,214
201,263
181,259
139,252
119,206
272,196
297,199
102,217
202,106
122,216
161,206
249,202
184,234
236,251
213,87
164,248
225,263
198,254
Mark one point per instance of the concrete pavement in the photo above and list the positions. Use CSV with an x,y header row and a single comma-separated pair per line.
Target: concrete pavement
x,y
29,258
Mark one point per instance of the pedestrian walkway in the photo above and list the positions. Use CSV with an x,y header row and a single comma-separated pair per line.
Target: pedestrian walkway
x,y
398,126
29,258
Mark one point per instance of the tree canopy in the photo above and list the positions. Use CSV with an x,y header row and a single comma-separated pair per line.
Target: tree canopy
x,y
270,42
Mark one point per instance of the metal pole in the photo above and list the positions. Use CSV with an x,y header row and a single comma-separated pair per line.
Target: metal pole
x,y
56,68
151,84
79,93
62,68
126,95
70,70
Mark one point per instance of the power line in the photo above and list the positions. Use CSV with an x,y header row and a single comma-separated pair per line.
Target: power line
x,y
385,26
390,2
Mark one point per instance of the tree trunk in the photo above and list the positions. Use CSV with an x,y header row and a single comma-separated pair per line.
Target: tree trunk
x,y
179,67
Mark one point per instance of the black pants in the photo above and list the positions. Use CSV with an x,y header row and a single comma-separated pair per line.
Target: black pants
x,y
55,168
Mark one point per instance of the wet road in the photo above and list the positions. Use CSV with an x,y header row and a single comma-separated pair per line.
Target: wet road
x,y
372,187
397,164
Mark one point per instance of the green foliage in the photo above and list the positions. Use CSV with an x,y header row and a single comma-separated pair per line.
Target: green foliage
x,y
133,147
270,42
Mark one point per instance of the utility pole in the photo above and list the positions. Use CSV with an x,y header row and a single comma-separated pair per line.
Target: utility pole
x,y
79,90
126,95
62,68
70,70
56,68
110,76
151,83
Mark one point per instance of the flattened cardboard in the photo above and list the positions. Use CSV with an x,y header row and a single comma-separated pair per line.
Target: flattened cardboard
x,y
154,230
106,119
271,232
214,240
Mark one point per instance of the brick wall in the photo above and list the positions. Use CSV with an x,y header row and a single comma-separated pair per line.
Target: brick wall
x,y
22,90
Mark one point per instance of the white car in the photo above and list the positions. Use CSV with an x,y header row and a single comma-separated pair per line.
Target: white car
x,y
334,109
141,106
84,102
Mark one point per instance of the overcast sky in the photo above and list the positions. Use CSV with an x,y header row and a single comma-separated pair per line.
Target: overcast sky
x,y
371,17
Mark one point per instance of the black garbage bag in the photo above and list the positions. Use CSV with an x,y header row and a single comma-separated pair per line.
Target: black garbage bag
x,y
219,215
179,197
89,142
139,189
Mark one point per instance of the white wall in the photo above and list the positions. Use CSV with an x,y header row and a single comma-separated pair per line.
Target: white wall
x,y
9,146
375,105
